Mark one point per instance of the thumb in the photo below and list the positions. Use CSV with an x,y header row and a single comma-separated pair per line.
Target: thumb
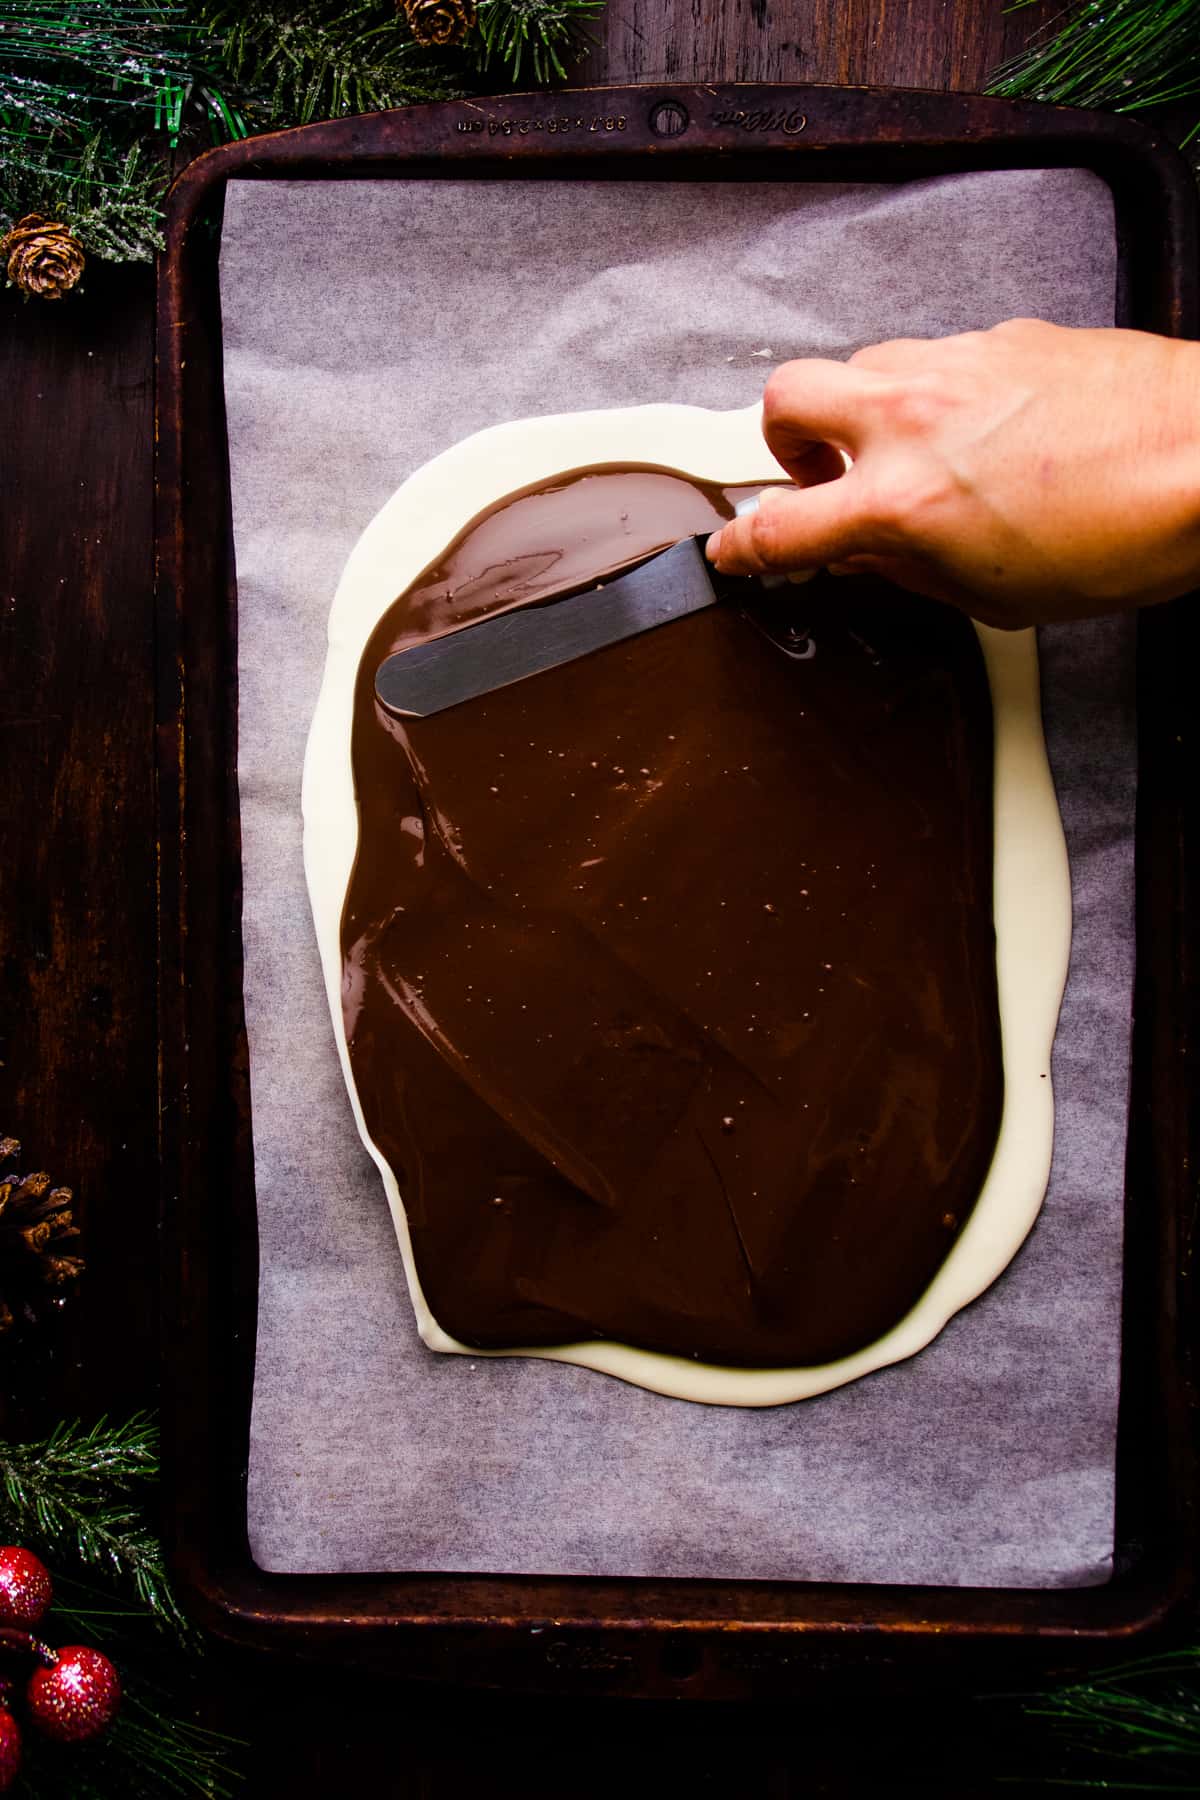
x,y
799,528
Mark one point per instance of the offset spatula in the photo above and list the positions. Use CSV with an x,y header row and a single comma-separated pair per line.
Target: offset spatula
x,y
428,678
446,671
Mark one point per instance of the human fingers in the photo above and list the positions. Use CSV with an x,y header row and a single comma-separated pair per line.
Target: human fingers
x,y
821,462
893,354
794,529
815,401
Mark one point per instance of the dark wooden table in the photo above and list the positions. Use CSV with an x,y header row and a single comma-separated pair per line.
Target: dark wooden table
x,y
77,924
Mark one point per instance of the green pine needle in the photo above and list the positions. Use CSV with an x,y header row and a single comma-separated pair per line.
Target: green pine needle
x,y
111,200
1126,55
99,1614
92,92
1142,1712
119,1455
79,1495
539,34
148,1753
76,1494
176,1755
319,59
113,205
65,65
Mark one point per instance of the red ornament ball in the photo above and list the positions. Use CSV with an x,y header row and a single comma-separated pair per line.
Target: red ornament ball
x,y
77,1697
10,1751
24,1586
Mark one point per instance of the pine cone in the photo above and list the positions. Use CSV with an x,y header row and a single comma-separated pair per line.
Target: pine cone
x,y
35,1223
440,23
43,257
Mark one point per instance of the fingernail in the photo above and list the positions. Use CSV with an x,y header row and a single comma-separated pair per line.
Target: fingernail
x,y
713,547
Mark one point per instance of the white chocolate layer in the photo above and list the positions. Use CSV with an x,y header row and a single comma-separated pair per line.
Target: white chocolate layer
x,y
1031,881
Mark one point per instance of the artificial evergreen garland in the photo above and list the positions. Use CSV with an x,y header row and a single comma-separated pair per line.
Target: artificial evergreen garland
x,y
95,95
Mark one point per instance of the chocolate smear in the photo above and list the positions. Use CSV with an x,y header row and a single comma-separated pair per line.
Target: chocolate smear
x,y
669,975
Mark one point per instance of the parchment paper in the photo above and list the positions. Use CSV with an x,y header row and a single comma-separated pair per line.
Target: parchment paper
x,y
367,326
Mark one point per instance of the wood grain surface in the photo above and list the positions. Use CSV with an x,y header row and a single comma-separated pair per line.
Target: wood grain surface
x,y
77,911
77,872
884,43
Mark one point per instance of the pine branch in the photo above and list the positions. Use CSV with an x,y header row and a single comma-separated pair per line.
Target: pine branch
x,y
177,1755
318,59
73,1494
540,32
90,89
95,1614
90,92
1141,1713
121,1455
1126,55
148,1753
111,202
113,205
78,1493
73,67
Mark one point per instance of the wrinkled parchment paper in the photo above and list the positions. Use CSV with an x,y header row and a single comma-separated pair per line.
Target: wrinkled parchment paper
x,y
367,326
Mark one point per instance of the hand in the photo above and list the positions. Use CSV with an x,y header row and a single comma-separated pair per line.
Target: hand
x,y
1025,474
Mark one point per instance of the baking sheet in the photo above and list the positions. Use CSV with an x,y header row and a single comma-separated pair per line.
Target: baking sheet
x,y
368,325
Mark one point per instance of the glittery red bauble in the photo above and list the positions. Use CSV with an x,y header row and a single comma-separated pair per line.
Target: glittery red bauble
x,y
77,1697
24,1586
10,1750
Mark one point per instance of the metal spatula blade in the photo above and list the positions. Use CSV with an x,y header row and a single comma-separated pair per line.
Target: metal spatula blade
x,y
428,678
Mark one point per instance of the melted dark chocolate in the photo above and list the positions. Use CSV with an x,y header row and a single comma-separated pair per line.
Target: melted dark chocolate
x,y
670,974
